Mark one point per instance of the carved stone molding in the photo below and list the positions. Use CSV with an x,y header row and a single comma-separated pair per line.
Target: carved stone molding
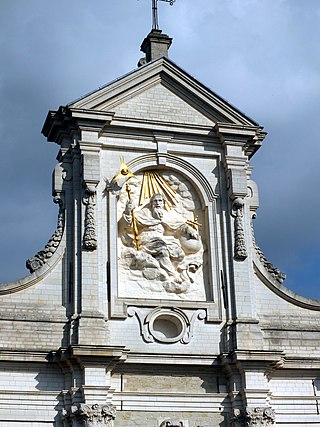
x,y
174,423
66,418
37,261
89,235
254,417
166,325
273,271
240,250
90,415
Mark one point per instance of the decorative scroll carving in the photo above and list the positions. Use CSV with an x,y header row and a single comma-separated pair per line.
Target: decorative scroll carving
x,y
174,423
273,271
240,250
166,325
90,415
161,251
97,415
198,314
254,417
89,235
37,261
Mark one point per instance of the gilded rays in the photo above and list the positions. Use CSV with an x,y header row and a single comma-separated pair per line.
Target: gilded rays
x,y
153,183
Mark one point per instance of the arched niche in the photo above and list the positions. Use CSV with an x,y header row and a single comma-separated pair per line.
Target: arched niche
x,y
198,279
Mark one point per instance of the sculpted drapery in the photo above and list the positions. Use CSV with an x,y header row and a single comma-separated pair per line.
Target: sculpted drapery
x,y
161,247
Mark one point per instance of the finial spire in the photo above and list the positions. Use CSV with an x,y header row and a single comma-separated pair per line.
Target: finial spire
x,y
155,44
155,18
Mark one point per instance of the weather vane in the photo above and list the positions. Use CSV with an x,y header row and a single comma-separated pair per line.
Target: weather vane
x,y
155,20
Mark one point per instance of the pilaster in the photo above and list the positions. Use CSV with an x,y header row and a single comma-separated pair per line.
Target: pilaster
x,y
249,390
244,328
87,369
92,326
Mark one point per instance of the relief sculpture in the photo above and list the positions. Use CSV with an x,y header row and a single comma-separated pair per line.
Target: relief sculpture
x,y
161,252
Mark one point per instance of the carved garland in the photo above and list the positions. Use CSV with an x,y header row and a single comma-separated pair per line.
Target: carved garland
x,y
240,250
37,261
90,415
254,417
273,271
89,236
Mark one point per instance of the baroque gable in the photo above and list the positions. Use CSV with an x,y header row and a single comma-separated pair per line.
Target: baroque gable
x,y
162,91
152,304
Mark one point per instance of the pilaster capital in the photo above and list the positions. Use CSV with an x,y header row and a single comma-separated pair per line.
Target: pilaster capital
x,y
254,417
90,415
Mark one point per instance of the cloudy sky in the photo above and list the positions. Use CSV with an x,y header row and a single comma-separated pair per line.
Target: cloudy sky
x,y
263,56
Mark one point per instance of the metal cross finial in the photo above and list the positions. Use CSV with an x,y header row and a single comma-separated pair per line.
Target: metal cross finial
x,y
155,20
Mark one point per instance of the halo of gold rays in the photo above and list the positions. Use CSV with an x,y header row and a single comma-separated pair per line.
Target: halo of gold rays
x,y
153,183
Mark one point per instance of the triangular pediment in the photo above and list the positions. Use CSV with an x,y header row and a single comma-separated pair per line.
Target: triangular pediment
x,y
158,103
161,91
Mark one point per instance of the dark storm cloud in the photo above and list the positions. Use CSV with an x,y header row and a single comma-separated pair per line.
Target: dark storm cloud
x,y
261,55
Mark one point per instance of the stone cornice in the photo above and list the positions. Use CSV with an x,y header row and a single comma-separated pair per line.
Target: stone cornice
x,y
31,355
87,355
281,290
248,136
66,120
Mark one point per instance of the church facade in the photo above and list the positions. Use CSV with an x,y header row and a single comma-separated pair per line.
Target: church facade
x,y
151,304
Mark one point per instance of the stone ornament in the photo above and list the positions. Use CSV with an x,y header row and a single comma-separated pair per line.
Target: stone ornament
x,y
166,325
254,417
37,261
89,235
173,423
240,250
161,250
123,174
273,271
90,415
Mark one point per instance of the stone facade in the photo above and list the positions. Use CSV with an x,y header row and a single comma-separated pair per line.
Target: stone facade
x,y
139,315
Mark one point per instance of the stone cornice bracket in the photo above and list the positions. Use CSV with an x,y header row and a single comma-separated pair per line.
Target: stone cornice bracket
x,y
86,355
90,415
253,417
37,261
240,250
235,164
67,120
89,236
251,136
239,142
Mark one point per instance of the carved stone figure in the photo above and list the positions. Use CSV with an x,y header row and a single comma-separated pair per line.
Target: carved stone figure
x,y
162,250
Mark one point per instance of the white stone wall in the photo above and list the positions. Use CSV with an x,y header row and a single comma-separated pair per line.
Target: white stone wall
x,y
68,337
